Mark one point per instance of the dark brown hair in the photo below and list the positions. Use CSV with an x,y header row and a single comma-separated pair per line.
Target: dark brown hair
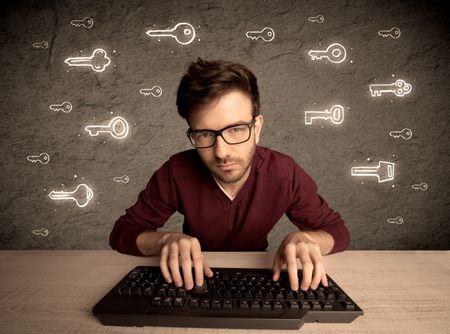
x,y
207,80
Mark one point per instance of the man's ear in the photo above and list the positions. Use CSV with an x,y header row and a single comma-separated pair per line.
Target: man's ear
x,y
259,121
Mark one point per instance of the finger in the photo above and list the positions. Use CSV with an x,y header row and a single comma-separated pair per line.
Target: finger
x,y
186,262
276,267
291,265
196,255
163,264
174,265
318,268
206,267
324,279
307,267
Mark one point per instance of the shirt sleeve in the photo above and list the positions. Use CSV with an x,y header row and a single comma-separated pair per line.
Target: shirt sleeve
x,y
309,211
154,206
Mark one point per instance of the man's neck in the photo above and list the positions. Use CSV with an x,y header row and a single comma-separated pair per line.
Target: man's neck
x,y
231,189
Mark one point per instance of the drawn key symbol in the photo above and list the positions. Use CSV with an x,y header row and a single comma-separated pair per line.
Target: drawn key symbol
x,y
184,33
98,61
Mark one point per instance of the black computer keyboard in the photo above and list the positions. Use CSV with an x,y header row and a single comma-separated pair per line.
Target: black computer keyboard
x,y
233,298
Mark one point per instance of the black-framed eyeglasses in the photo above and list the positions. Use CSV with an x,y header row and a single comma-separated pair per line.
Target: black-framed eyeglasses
x,y
232,135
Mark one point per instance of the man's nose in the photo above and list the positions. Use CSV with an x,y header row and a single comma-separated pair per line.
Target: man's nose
x,y
220,148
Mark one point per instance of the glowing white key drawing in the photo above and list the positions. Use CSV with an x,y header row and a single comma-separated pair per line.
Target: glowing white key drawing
x,y
405,134
384,171
41,45
87,23
156,91
393,33
98,61
422,186
318,19
184,33
117,127
397,220
399,88
335,114
266,34
335,53
81,195
65,107
123,179
43,158
43,231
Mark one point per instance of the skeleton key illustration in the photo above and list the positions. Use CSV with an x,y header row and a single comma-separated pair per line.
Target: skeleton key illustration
x,y
41,45
184,33
384,171
43,158
335,53
123,179
65,107
393,32
87,22
43,231
405,134
422,186
399,88
156,91
318,19
117,127
98,61
335,113
397,220
267,34
81,195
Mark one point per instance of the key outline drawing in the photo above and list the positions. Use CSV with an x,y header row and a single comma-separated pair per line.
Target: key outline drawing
x,y
43,232
422,186
397,220
394,32
121,179
82,23
156,91
337,51
95,130
389,167
40,45
43,158
68,195
406,134
327,114
189,29
87,61
319,19
259,34
400,88
65,107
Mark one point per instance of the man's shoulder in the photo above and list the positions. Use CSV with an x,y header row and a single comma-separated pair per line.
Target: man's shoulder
x,y
273,163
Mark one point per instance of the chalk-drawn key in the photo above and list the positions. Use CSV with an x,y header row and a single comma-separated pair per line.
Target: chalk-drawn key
x,y
422,186
335,114
87,23
123,179
184,33
399,88
43,158
43,231
393,32
156,91
41,45
98,61
267,34
397,220
405,134
65,107
81,195
335,53
117,127
318,19
384,171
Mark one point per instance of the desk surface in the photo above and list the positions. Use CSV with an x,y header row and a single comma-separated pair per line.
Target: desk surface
x,y
54,291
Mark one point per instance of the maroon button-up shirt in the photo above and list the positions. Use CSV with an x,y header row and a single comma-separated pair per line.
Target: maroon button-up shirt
x,y
276,186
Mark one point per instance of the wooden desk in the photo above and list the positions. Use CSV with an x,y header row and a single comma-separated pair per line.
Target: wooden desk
x,y
54,291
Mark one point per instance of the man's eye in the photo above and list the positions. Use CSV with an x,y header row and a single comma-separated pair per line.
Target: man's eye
x,y
237,129
203,135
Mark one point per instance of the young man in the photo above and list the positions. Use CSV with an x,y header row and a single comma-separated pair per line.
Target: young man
x,y
230,191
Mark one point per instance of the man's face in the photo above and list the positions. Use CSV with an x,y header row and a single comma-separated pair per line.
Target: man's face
x,y
228,163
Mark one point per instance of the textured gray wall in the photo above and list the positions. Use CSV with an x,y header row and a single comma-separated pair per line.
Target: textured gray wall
x,y
33,78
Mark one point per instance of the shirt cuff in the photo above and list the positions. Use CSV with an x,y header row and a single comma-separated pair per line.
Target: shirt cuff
x,y
340,234
127,242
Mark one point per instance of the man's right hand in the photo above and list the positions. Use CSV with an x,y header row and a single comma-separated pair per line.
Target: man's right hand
x,y
178,247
